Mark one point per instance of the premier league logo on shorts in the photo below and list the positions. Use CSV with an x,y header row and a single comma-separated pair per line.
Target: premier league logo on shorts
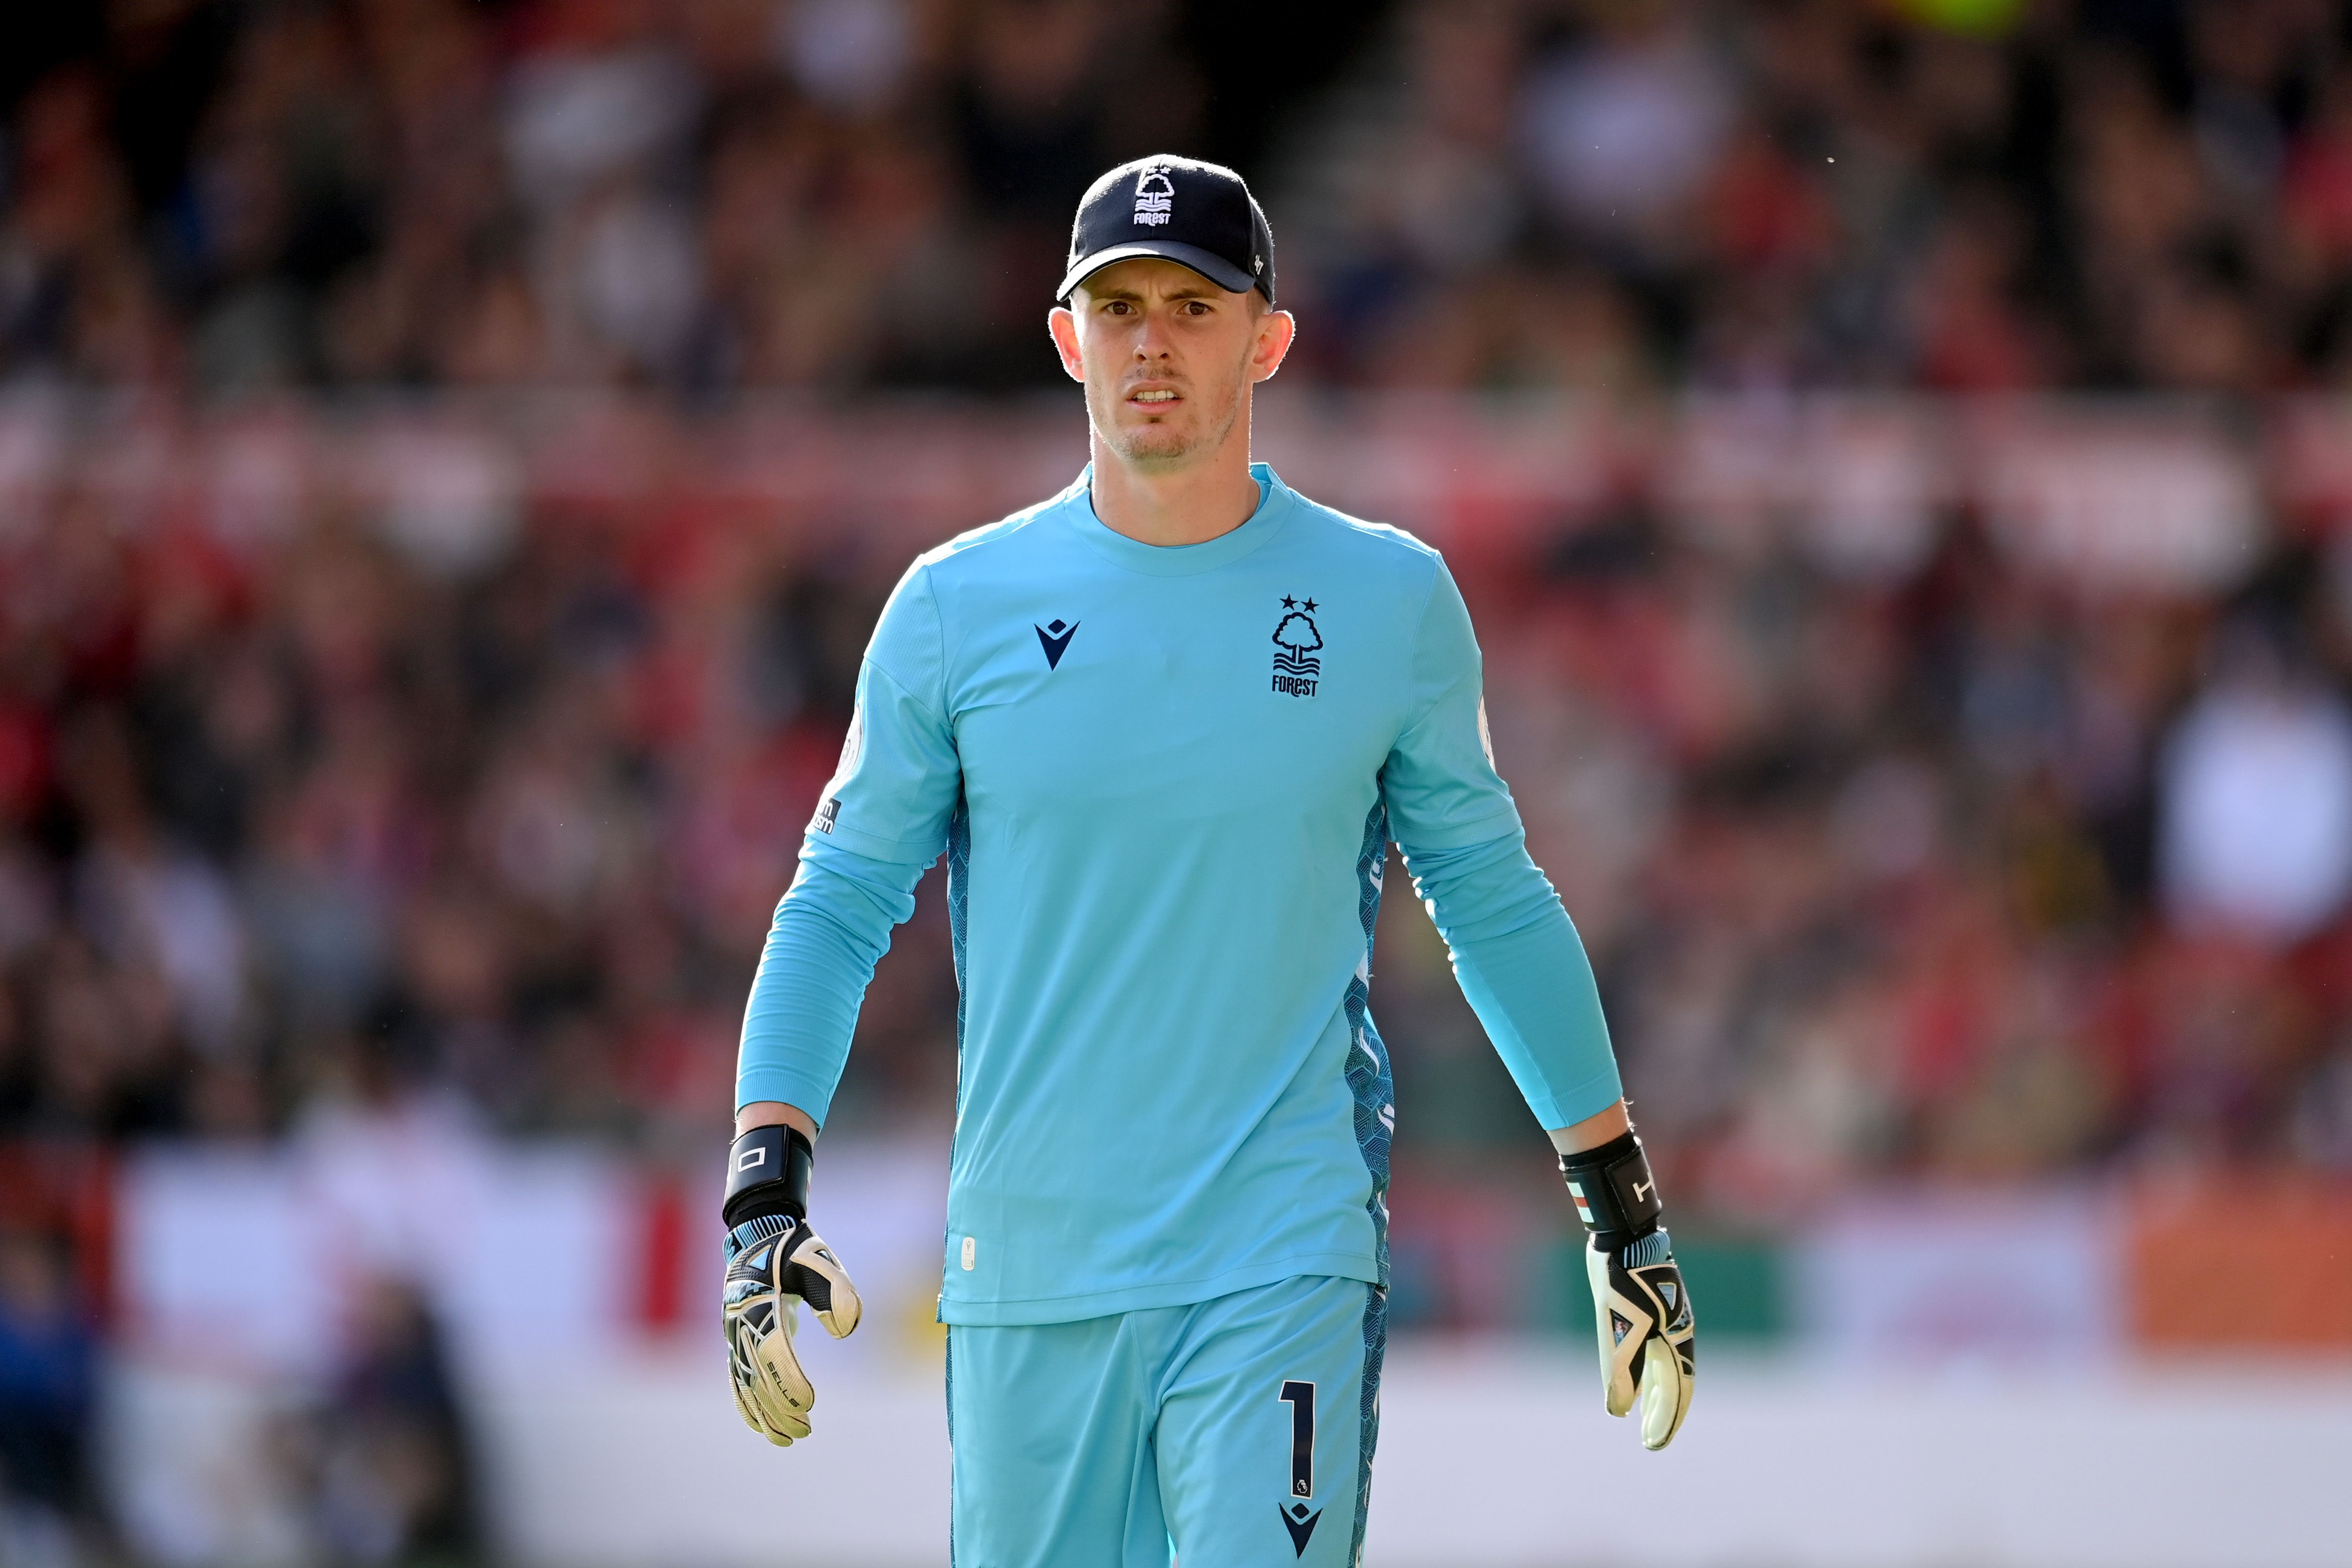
x,y
1295,644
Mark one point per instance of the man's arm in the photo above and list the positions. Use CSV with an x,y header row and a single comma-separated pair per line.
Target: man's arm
x,y
831,929
881,823
1526,974
1589,1134
776,1114
1517,957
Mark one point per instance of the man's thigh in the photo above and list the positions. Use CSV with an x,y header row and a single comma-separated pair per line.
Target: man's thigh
x,y
1051,1426
1268,1418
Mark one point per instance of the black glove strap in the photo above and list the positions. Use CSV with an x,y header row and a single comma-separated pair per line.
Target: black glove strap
x,y
768,1174
1616,1197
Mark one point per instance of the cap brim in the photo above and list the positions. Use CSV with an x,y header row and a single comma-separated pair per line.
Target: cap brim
x,y
1214,267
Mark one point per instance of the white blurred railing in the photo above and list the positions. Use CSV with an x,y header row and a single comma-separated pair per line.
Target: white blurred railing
x,y
1494,1456
1961,1382
2167,496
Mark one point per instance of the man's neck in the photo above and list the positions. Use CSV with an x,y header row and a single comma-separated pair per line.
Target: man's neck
x,y
1190,504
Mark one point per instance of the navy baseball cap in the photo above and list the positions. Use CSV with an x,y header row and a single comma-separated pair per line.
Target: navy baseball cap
x,y
1198,215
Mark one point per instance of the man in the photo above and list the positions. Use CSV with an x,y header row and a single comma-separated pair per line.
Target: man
x,y
1163,727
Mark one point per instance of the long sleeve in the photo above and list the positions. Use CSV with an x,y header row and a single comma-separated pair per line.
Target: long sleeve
x,y
1516,953
881,823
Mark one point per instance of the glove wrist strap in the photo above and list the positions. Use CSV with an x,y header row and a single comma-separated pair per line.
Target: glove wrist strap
x,y
768,1174
762,1228
1616,1196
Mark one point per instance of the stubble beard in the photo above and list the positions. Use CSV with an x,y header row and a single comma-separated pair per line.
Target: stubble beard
x,y
1166,447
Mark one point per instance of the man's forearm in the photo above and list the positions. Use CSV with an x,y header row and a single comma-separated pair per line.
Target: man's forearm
x,y
769,1112
1525,973
830,928
1589,1134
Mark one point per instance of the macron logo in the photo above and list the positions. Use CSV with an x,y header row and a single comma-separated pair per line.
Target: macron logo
x,y
1056,641
1155,198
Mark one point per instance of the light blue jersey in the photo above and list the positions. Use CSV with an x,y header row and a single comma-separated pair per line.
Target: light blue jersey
x,y
1165,780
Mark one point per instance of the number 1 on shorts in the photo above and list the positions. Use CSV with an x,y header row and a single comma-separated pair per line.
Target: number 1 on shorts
x,y
1300,1397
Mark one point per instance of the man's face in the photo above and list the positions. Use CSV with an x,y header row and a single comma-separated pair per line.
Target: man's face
x,y
1167,358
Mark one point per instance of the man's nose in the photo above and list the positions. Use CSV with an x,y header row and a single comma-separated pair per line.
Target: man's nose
x,y
1153,342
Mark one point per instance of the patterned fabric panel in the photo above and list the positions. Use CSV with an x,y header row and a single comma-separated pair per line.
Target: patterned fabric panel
x,y
1367,1056
1376,1341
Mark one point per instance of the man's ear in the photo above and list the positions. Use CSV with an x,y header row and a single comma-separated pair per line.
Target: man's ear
x,y
1064,328
1275,330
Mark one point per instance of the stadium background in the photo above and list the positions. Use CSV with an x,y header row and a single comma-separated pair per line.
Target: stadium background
x,y
451,455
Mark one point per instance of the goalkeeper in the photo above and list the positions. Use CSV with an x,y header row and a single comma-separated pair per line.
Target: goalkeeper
x,y
1164,726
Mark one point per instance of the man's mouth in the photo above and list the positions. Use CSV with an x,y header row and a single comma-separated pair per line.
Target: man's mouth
x,y
1153,398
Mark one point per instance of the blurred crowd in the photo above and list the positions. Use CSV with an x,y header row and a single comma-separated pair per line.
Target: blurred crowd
x,y
1958,876
1911,857
693,195
1944,860
1956,868
1606,193
2112,193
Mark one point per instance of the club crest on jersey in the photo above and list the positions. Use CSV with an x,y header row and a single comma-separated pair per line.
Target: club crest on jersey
x,y
1296,670
1155,196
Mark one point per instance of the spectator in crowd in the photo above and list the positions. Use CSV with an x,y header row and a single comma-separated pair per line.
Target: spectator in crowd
x,y
393,1475
2257,782
48,1395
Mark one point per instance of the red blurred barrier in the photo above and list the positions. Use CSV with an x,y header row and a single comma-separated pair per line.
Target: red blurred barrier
x,y
2257,1264
662,1247
64,1189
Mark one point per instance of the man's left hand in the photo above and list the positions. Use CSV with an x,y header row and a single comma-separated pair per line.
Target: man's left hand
x,y
1648,1337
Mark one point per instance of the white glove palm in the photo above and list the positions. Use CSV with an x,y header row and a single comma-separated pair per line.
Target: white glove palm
x,y
1648,1344
774,1264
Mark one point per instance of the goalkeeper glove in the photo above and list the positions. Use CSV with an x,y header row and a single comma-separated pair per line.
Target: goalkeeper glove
x,y
1648,1352
774,1262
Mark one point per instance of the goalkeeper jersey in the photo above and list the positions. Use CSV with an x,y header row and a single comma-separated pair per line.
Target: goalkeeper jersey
x,y
1165,780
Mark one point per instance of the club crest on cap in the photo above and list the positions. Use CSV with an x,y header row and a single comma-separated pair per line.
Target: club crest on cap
x,y
1131,211
1155,196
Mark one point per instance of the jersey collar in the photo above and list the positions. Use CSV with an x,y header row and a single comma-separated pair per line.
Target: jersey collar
x,y
1274,507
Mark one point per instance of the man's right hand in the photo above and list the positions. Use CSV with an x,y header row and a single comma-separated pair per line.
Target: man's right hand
x,y
774,1264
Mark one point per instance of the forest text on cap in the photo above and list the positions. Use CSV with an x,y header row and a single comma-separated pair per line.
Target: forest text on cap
x,y
1198,215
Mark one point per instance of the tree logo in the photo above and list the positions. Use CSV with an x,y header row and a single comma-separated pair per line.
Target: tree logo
x,y
1295,643
1155,196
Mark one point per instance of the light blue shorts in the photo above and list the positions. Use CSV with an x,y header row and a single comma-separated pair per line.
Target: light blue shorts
x,y
1235,1433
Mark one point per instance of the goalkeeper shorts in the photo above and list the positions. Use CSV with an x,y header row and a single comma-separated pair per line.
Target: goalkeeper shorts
x,y
1236,1432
